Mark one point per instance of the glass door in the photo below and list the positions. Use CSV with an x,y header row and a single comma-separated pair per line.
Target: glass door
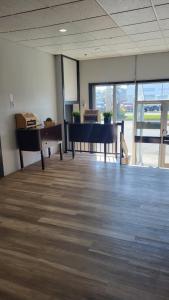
x,y
125,102
147,133
164,148
152,124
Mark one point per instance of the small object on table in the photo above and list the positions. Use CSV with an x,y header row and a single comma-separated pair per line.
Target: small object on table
x,y
49,122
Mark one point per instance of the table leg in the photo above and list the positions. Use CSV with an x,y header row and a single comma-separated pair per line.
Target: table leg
x,y
105,152
60,150
49,152
42,160
116,149
21,158
73,150
121,153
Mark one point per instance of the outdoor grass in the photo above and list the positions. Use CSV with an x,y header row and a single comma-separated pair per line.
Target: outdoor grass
x,y
147,117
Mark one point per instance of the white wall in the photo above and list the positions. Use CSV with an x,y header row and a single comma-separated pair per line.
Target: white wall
x,y
29,75
149,66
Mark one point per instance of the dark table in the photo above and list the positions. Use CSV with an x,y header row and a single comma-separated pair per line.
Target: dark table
x,y
33,139
92,133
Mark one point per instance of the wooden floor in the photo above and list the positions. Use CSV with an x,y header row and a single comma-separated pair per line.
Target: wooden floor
x,y
84,230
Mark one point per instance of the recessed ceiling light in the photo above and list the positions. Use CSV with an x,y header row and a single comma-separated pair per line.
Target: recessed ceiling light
x,y
63,30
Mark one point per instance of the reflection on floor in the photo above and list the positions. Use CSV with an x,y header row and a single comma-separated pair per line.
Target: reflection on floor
x,y
83,229
109,158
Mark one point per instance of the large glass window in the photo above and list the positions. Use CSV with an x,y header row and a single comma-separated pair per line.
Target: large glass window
x,y
153,91
125,99
104,98
148,125
141,106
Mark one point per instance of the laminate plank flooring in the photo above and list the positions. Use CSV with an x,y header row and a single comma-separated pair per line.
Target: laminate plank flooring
x,y
84,230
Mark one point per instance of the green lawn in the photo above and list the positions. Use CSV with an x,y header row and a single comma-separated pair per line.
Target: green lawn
x,y
147,116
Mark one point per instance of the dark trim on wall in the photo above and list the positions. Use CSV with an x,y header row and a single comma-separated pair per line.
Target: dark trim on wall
x,y
62,74
153,80
69,57
78,82
129,82
1,162
91,87
110,82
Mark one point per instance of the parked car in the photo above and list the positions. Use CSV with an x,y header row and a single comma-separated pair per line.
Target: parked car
x,y
155,107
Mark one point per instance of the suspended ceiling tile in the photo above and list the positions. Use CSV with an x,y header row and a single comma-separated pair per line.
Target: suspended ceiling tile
x,y
115,6
79,10
158,2
166,33
66,13
113,32
79,46
141,28
164,24
95,24
37,33
16,6
125,46
150,49
150,43
29,20
134,17
54,2
59,40
146,36
98,35
92,44
53,30
162,11
167,40
119,40
8,7
132,51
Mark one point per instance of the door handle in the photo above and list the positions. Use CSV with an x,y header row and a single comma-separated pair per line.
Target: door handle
x,y
164,132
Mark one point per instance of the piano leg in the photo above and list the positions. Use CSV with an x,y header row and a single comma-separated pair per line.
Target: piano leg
x,y
21,158
61,151
42,160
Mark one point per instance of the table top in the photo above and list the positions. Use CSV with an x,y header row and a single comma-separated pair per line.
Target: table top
x,y
40,127
92,132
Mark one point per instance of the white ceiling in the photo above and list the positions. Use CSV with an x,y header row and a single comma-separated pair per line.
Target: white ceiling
x,y
95,28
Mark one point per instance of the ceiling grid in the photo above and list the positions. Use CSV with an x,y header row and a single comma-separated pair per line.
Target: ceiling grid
x,y
93,28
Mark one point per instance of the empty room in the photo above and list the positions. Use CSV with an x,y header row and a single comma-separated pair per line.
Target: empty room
x,y
84,149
